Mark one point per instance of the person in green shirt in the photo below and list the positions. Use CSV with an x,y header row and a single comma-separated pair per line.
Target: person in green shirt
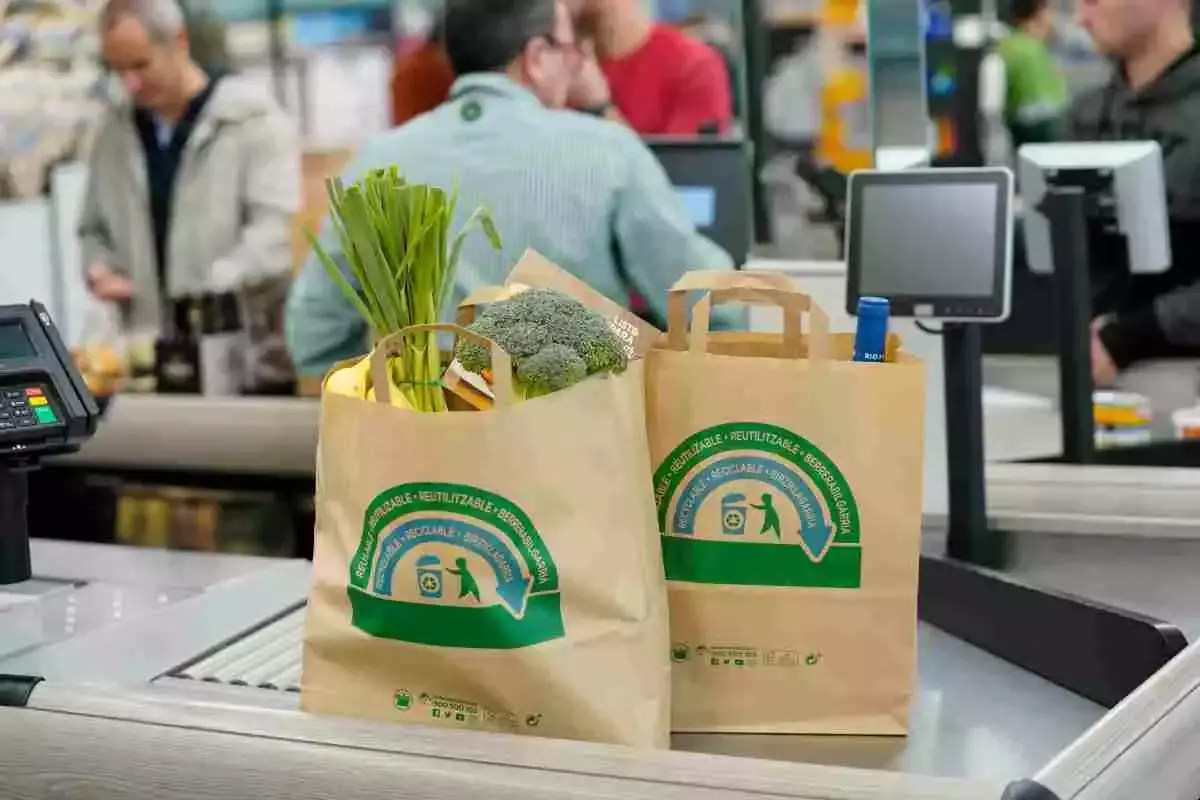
x,y
1037,95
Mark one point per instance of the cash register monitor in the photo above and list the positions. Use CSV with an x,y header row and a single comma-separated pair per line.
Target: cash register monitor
x,y
1127,199
712,178
937,243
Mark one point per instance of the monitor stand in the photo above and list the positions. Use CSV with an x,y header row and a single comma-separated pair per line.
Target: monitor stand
x,y
15,565
967,535
1066,209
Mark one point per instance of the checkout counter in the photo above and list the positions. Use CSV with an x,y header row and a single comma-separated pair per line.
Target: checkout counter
x,y
155,674
189,689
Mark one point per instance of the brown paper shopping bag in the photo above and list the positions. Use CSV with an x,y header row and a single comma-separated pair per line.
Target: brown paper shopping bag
x,y
788,484
491,570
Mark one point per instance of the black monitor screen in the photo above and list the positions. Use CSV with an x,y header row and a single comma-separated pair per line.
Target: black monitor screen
x,y
14,342
925,241
712,180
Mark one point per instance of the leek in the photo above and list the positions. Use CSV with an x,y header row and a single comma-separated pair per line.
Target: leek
x,y
401,261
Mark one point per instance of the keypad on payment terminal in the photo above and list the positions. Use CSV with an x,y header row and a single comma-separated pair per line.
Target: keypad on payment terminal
x,y
25,407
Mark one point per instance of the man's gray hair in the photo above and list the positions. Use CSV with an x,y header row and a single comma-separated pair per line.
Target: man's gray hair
x,y
163,19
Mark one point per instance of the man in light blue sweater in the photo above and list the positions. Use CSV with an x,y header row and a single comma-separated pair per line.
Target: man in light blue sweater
x,y
584,192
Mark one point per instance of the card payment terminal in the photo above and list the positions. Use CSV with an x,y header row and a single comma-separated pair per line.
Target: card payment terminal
x,y
45,409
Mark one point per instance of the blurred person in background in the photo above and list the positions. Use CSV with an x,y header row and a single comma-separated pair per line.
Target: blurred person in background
x,y
192,183
658,79
207,39
586,193
1154,93
1036,87
422,78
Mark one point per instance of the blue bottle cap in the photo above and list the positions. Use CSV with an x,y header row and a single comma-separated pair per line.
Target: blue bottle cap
x,y
874,307
870,338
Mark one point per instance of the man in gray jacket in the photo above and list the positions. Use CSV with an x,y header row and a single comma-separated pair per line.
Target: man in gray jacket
x,y
193,183
1154,94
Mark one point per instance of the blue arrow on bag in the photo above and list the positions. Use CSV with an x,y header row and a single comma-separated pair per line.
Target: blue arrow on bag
x,y
817,538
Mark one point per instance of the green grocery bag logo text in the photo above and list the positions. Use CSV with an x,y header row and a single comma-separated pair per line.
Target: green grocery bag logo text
x,y
750,504
453,566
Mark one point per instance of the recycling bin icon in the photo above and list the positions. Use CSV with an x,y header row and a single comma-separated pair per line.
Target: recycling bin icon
x,y
733,515
429,577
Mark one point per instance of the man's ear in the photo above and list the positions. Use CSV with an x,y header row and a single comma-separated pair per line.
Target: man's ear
x,y
183,42
530,61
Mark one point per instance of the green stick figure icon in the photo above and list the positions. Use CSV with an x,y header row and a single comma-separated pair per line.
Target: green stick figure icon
x,y
467,587
770,516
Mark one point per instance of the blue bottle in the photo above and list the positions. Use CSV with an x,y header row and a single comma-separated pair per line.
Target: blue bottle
x,y
870,340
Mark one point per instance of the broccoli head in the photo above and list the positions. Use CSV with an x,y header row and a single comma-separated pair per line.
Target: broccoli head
x,y
552,368
554,341
475,356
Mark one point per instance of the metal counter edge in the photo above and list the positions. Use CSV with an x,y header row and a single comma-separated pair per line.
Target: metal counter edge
x,y
1147,743
121,743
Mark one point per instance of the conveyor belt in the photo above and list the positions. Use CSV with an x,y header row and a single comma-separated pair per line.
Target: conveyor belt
x,y
129,616
268,658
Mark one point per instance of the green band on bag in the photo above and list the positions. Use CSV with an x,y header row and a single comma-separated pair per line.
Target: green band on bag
x,y
736,564
452,565
751,504
491,628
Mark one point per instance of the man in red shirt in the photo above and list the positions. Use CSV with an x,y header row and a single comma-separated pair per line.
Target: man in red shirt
x,y
661,81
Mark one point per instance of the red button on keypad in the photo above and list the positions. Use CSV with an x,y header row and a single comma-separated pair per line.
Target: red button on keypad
x,y
33,392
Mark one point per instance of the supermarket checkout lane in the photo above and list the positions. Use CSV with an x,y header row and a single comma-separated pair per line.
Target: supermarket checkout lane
x,y
189,630
207,600
143,642
160,621
63,654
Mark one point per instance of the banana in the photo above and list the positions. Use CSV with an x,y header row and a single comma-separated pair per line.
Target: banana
x,y
351,381
396,398
355,381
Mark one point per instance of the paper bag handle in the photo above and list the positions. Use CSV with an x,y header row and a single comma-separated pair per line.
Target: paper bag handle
x,y
756,289
480,297
393,345
710,280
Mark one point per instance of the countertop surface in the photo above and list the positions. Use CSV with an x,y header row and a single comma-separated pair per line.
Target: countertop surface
x,y
973,715
230,620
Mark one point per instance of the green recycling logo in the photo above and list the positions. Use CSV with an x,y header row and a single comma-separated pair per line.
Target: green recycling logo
x,y
450,565
750,504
